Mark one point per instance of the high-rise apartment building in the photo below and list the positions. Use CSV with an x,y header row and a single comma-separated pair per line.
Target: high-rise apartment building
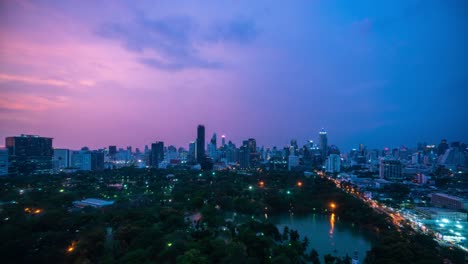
x,y
29,154
200,144
157,153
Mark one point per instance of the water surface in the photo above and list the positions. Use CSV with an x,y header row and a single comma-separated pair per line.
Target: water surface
x,y
327,234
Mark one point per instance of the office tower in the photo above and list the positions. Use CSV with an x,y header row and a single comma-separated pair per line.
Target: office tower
x,y
212,148
443,146
333,163
97,160
232,153
3,161
157,153
390,169
223,140
254,155
323,144
81,159
244,156
213,140
191,152
61,159
171,153
29,154
200,146
293,161
87,160
112,150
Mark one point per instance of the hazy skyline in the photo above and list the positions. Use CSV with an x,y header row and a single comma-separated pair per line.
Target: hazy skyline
x,y
130,73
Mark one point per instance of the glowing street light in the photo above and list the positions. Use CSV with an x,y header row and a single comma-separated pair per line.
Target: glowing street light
x,y
332,205
288,192
71,248
262,184
299,184
250,187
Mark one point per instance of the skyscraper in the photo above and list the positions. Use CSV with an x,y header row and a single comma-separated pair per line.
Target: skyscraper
x,y
223,140
29,154
323,144
200,146
3,161
157,153
212,149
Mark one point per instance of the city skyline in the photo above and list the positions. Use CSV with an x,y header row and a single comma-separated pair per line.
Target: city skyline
x,y
120,73
316,141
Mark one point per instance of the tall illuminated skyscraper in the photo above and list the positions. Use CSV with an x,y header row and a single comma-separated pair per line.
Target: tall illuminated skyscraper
x,y
323,144
200,146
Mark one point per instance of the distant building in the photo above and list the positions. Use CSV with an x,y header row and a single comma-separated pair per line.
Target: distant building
x,y
87,160
3,161
61,159
212,148
439,214
91,202
244,157
29,154
157,154
390,169
200,144
333,163
293,161
323,144
112,150
254,158
191,151
448,201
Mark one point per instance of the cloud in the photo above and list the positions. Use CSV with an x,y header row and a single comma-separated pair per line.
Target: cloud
x,y
32,80
177,41
176,66
27,102
170,38
238,30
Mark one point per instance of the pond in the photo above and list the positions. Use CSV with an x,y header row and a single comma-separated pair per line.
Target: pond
x,y
327,234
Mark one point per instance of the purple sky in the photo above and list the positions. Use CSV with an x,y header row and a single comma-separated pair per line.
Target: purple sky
x,y
99,73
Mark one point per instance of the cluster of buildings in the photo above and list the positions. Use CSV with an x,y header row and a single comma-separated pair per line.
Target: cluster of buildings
x,y
30,154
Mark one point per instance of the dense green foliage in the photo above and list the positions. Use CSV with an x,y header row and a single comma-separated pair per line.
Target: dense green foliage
x,y
186,217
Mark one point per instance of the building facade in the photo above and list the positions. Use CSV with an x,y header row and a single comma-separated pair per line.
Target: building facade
x,y
3,162
390,169
200,144
29,155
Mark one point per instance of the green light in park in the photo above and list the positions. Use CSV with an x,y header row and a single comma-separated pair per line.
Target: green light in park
x,y
288,192
213,173
169,244
62,190
199,175
250,187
